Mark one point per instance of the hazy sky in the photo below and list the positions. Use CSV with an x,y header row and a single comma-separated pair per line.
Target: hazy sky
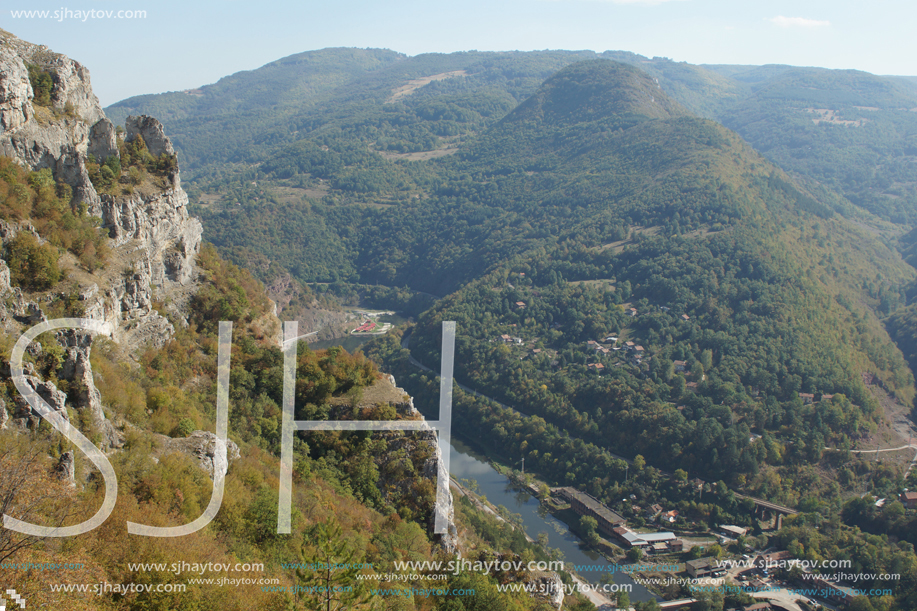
x,y
182,44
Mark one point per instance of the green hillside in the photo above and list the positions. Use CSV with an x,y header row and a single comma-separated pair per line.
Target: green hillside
x,y
562,198
850,131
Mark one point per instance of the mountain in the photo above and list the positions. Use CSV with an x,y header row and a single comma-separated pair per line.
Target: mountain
x,y
630,278
848,130
98,250
845,132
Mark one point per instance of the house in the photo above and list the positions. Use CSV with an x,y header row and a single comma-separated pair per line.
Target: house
x,y
520,305
610,338
664,308
685,317
703,567
680,365
653,511
670,516
628,345
638,349
506,339
632,312
909,499
660,542
733,532
807,398
691,386
826,397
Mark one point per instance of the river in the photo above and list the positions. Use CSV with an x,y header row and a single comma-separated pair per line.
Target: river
x,y
465,463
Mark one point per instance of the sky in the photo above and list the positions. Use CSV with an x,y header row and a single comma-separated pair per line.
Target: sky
x,y
182,44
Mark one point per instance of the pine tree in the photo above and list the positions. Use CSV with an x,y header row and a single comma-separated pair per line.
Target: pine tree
x,y
332,585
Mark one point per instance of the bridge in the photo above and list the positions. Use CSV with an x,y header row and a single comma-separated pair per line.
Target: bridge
x,y
766,509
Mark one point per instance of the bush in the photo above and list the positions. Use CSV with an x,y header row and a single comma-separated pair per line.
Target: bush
x,y
32,265
42,85
185,427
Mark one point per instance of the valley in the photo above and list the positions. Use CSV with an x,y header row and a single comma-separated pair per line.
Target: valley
x,y
683,299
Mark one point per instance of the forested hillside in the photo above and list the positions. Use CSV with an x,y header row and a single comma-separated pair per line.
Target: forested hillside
x,y
632,277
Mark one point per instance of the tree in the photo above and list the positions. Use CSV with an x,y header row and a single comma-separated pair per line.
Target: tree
x,y
332,585
42,85
639,462
28,493
32,265
588,526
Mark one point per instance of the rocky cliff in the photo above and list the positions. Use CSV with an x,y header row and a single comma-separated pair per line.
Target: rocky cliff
x,y
154,240
154,236
434,469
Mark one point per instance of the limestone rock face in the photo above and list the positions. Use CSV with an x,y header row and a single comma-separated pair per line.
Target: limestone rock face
x,y
85,395
161,225
151,131
5,287
434,469
23,414
56,137
153,226
15,91
103,143
202,446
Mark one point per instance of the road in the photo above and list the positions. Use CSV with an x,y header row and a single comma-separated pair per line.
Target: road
x,y
911,446
405,343
596,598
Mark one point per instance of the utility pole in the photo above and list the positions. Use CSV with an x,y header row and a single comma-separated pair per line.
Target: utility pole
x,y
523,465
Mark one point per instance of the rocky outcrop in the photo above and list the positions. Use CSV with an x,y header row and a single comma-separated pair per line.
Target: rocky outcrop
x,y
15,91
5,287
433,470
548,587
160,225
103,141
84,395
24,416
58,136
201,446
153,228
66,468
152,133
154,238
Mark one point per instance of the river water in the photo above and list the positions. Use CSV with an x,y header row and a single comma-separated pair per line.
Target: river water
x,y
465,463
